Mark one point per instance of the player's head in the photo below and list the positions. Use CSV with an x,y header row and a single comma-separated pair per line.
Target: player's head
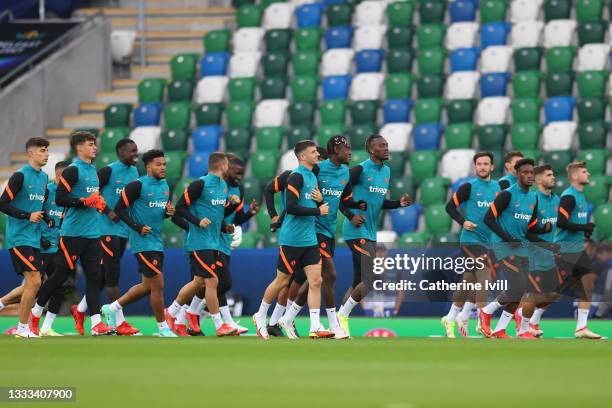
x,y
127,151
545,177
155,163
377,147
323,155
37,149
306,152
84,145
577,173
340,148
60,166
236,169
510,160
524,172
218,164
483,164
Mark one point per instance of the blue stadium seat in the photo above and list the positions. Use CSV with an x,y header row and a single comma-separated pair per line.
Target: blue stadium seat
x,y
328,3
309,15
559,108
336,86
462,10
427,137
214,63
406,219
494,84
148,114
198,164
457,183
339,37
397,110
206,138
494,34
464,59
369,60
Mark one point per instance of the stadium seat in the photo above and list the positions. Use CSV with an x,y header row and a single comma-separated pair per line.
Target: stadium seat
x,y
559,84
306,63
491,137
252,189
526,110
278,40
528,59
413,240
456,164
309,15
214,63
524,10
239,114
369,60
406,219
593,134
110,137
558,159
262,219
358,157
591,109
177,115
592,32
432,11
525,136
339,15
263,164
175,139
559,33
359,133
494,84
274,64
146,137
208,114
558,135
339,37
270,112
217,40
326,132
496,59
175,162
301,113
462,10
427,136
461,35
424,164
603,219
368,13
308,39
592,83
492,34
122,45
397,163
279,15
103,159
297,133
598,190
397,110
433,190
400,186
428,110
493,11
464,59
147,114
557,9
561,183
244,64
398,86
151,90
211,89
366,86
432,60
198,164
337,61
237,139
180,91
589,10
399,13
397,136
332,112
493,111
400,37
430,35
183,66
206,138
460,111
399,60
336,87
596,159
526,34
288,161
273,88
527,84
560,59
269,138
559,108
593,57
459,135
249,15
437,221
117,115
304,89
369,38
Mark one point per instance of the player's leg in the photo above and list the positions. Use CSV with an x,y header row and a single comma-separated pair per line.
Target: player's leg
x,y
461,308
587,282
14,296
56,300
356,258
225,285
26,261
327,248
90,261
515,270
113,248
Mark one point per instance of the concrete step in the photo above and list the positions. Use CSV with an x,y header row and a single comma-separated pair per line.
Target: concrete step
x,y
92,107
177,3
153,59
121,96
7,171
173,11
90,120
193,35
125,84
174,23
19,158
55,134
171,48
153,71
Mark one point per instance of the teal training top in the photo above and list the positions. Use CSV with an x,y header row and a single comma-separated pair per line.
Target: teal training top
x,y
54,212
113,179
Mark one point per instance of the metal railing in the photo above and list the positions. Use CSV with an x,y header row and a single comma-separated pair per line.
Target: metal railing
x,y
142,27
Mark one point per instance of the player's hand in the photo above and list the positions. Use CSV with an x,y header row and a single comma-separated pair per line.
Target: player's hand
x,y
254,207
204,222
363,205
229,229
145,230
234,199
316,195
469,225
405,201
170,210
324,209
236,237
36,216
113,216
92,201
274,219
357,220
51,223
548,227
45,243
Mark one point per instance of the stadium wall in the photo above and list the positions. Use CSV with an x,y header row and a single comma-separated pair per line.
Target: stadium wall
x,y
44,95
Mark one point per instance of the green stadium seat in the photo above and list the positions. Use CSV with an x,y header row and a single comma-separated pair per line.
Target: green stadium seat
x,y
105,158
239,114
117,115
253,189
278,40
596,160
338,15
598,190
308,39
430,35
589,10
525,136
560,59
527,84
93,131
592,135
398,86
428,110
170,227
460,110
591,109
249,239
400,186
557,10
239,3
359,134
358,156
266,3
241,89
151,90
270,240
558,159
363,112
437,221
396,163
207,114
592,83
326,132
110,137
399,60
264,164
217,40
301,113
413,239
424,164
177,115
304,88
175,162
491,137
306,63
592,32
183,66
174,240
432,11
175,139
399,13
430,86
249,15
297,133
274,64
180,91
459,135
528,59
262,219
431,60
526,110
400,37
559,84
269,138
273,88
603,220
237,139
333,112
446,238
492,11
434,190
561,183
180,186
534,154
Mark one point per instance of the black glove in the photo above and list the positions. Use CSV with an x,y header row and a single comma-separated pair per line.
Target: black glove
x,y
589,228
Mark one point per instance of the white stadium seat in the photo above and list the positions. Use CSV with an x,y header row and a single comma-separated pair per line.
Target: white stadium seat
x,y
288,161
559,33
146,137
493,111
271,112
525,10
496,59
593,57
337,61
122,45
49,168
386,236
457,163
366,87
461,35
397,135
558,135
244,64
248,39
369,37
462,85
277,15
211,89
526,34
369,13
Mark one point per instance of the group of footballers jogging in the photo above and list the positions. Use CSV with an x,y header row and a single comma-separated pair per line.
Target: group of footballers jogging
x,y
91,216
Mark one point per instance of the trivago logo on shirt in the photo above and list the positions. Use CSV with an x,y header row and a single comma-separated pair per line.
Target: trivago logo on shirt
x,y
484,204
55,213
118,191
331,192
552,220
157,204
522,216
379,190
217,201
582,214
37,197
92,189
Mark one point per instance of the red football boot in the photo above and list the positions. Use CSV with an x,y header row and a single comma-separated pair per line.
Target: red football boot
x,y
169,319
192,322
225,330
181,330
125,329
500,334
102,329
79,320
484,320
34,323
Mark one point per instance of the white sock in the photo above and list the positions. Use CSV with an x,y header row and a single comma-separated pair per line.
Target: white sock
x,y
162,325
49,318
292,312
174,309
465,312
226,315
537,316
23,328
347,308
581,321
95,320
315,319
262,313
82,307
119,317
276,314
201,308
115,306
289,303
2,306
504,320
332,318
195,305
491,307
180,316
37,310
452,313
217,319
524,325
520,311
